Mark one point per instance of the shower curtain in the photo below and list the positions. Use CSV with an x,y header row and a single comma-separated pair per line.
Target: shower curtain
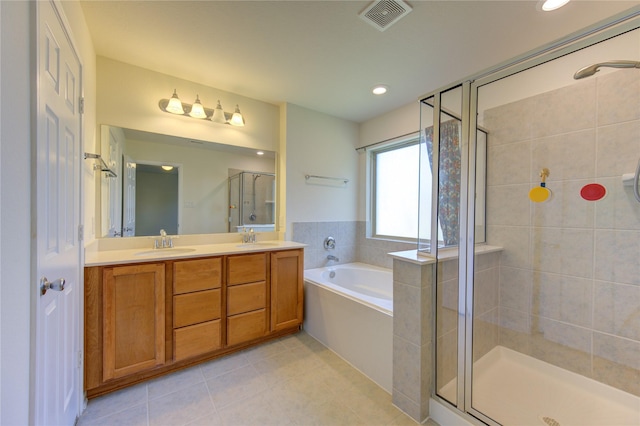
x,y
449,186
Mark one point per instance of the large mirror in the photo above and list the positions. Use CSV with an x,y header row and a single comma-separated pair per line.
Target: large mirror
x,y
183,186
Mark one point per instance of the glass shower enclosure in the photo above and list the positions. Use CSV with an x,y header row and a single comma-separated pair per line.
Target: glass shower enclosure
x,y
252,201
537,316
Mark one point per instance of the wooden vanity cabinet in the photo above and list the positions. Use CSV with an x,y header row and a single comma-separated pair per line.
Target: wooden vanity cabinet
x,y
246,297
197,307
147,319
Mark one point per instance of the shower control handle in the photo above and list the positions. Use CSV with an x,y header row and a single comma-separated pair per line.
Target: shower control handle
x,y
329,243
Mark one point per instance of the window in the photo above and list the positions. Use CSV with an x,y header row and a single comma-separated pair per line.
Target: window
x,y
395,181
401,191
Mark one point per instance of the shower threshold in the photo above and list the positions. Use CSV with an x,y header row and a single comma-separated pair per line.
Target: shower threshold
x,y
516,389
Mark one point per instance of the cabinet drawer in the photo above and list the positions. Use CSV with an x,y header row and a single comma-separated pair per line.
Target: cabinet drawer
x,y
245,327
246,298
196,339
193,308
246,268
197,274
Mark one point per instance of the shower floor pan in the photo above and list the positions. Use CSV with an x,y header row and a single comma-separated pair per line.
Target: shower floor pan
x,y
515,389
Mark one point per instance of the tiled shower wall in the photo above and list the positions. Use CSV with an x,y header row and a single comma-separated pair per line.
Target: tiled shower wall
x,y
570,271
352,245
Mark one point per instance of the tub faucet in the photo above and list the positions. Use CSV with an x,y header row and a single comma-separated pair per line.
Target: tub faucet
x,y
332,257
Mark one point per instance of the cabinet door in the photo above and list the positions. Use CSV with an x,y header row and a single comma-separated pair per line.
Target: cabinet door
x,y
286,289
133,319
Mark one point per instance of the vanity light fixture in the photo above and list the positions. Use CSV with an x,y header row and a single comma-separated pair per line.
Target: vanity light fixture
x,y
197,110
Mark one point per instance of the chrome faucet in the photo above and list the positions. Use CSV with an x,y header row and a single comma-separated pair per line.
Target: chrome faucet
x,y
248,237
164,241
332,257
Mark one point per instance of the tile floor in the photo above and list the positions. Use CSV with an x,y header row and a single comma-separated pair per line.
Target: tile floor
x,y
294,380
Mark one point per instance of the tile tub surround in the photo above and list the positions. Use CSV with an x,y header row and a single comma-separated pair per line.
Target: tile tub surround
x,y
352,244
291,381
569,277
412,334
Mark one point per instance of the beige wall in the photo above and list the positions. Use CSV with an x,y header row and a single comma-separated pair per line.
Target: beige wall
x,y
319,144
128,97
84,45
396,123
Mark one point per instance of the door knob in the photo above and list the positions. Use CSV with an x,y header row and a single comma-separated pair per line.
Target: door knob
x,y
45,284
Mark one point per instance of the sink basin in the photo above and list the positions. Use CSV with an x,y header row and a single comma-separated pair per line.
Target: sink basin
x,y
258,244
165,252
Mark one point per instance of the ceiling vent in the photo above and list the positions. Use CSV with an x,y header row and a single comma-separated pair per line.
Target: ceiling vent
x,y
384,13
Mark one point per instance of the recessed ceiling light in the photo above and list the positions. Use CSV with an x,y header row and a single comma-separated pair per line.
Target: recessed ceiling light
x,y
380,89
260,153
167,167
549,5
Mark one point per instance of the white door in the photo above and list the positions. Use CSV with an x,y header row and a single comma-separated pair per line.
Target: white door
x,y
57,210
129,197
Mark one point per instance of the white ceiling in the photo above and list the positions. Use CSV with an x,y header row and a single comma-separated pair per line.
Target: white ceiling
x,y
320,54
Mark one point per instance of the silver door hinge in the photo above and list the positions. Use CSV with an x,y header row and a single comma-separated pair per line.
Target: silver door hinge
x,y
81,105
79,359
80,232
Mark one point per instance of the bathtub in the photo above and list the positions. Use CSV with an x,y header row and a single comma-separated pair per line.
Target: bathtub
x,y
349,308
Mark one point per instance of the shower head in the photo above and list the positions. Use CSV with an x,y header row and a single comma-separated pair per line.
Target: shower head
x,y
592,69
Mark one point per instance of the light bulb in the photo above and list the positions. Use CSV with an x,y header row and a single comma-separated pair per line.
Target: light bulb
x,y
175,106
218,115
237,119
197,110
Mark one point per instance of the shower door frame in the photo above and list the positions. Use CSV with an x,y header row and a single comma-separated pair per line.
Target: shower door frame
x,y
606,29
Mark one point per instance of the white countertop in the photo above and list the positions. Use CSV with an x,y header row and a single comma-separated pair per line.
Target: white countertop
x,y
136,255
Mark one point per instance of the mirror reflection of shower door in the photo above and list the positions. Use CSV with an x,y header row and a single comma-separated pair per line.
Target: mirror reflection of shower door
x,y
249,215
252,201
262,198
